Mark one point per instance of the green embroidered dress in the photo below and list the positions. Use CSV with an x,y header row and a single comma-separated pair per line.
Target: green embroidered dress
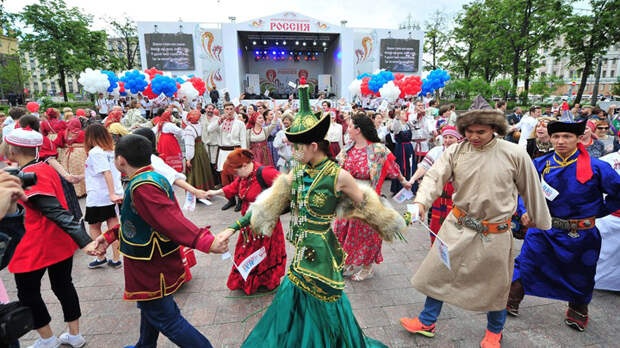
x,y
310,309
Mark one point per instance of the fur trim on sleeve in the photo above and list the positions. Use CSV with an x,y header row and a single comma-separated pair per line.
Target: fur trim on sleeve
x,y
375,211
269,205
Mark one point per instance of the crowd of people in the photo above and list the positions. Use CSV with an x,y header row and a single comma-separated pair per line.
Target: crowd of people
x,y
485,177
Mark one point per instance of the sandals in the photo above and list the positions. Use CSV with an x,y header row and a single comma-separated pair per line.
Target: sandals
x,y
363,274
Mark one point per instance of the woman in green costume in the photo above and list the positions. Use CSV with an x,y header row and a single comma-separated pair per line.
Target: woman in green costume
x,y
310,309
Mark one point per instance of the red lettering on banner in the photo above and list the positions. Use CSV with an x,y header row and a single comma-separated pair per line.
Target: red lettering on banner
x,y
287,26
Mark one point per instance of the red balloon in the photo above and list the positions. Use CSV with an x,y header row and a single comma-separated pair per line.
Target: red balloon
x,y
364,86
399,76
148,92
198,84
121,87
152,72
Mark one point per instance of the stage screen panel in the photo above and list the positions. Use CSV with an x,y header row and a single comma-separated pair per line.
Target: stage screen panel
x,y
169,51
400,55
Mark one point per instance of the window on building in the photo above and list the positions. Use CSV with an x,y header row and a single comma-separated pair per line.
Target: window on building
x,y
612,73
70,87
604,75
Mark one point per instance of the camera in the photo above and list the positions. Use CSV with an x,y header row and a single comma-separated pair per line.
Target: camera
x,y
27,179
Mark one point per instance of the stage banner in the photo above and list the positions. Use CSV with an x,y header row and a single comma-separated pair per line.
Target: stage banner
x,y
169,51
399,55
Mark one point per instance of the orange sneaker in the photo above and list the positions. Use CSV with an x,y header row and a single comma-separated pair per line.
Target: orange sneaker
x,y
414,325
491,340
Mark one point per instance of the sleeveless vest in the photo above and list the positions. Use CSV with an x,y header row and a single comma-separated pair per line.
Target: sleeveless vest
x,y
138,240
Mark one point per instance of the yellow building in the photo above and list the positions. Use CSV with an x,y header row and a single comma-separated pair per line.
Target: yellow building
x,y
8,45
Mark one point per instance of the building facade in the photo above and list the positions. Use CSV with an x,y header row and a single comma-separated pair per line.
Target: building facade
x,y
610,68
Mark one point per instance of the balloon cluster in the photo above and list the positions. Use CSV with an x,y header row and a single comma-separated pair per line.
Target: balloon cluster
x,y
32,106
151,83
164,84
385,84
112,79
94,81
435,80
134,81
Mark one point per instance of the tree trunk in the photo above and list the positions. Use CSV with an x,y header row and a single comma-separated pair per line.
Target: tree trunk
x,y
584,79
128,53
526,80
597,78
435,51
63,87
515,71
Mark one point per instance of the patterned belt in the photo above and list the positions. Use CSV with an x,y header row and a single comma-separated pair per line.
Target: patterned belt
x,y
573,225
480,226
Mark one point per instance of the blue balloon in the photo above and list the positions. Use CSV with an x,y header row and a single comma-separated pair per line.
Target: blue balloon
x,y
436,79
363,75
180,80
135,81
164,84
112,79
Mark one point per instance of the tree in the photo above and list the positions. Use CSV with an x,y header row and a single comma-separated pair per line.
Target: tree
x,y
502,88
7,20
127,33
588,35
13,75
545,86
60,39
615,89
435,39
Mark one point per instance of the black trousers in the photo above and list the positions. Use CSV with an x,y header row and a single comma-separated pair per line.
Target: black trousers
x,y
29,292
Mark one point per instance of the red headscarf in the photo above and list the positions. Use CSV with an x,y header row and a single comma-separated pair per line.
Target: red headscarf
x,y
51,113
165,117
74,131
236,159
113,117
193,116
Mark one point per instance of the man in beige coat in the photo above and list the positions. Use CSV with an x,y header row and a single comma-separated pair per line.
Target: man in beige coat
x,y
487,173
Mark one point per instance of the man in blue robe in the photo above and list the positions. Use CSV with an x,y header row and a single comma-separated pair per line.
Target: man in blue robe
x,y
560,263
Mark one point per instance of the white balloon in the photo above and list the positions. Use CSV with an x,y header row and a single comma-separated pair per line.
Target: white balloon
x,y
94,81
188,90
389,91
355,88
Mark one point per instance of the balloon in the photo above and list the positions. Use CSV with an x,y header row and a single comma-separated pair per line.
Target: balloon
x,y
180,80
152,72
355,87
436,79
163,84
187,90
134,81
120,89
198,84
94,81
390,91
378,80
399,76
112,79
32,106
363,75
364,86
148,92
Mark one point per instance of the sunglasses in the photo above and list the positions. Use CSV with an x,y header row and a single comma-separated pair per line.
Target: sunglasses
x,y
602,128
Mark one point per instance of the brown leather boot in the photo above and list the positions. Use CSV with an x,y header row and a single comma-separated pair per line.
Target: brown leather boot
x,y
514,298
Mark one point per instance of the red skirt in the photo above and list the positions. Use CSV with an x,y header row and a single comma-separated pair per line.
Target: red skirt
x,y
170,151
267,273
334,148
441,209
261,153
360,241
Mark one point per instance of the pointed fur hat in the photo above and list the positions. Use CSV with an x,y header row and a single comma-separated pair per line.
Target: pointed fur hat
x,y
480,112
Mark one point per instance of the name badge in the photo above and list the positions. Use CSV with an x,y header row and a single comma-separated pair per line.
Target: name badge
x,y
549,192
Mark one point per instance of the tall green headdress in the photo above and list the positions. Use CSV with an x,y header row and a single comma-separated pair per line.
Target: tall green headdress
x,y
307,127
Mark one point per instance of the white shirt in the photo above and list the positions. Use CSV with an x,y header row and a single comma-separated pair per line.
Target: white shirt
x,y
168,172
526,125
234,137
431,157
191,132
102,104
334,133
209,137
100,161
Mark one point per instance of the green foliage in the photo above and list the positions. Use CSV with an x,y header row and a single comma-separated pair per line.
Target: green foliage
x,y
502,88
615,90
545,86
480,86
60,38
48,103
588,35
13,75
126,52
435,39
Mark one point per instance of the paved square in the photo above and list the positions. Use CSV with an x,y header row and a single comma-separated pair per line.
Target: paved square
x,y
226,317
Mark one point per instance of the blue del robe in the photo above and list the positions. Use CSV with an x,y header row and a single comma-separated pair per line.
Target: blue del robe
x,y
552,264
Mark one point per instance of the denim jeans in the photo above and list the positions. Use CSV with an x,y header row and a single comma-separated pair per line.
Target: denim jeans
x,y
163,315
432,308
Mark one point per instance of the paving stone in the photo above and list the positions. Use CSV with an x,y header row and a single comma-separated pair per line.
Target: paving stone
x,y
227,317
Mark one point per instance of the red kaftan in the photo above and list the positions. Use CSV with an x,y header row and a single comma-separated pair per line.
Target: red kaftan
x,y
269,272
360,241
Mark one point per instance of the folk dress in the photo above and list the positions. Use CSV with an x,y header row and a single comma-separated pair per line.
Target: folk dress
x,y
371,165
168,146
74,157
269,272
